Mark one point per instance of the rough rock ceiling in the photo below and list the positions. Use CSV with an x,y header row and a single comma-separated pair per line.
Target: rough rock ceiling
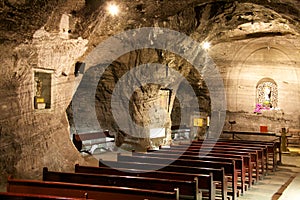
x,y
20,19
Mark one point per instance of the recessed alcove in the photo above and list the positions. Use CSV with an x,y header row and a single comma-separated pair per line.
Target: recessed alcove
x,y
42,90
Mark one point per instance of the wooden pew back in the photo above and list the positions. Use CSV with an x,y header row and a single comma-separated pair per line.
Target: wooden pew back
x,y
205,181
22,196
218,174
187,188
86,191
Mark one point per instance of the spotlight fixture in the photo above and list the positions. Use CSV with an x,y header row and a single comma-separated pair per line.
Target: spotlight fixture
x,y
113,9
206,45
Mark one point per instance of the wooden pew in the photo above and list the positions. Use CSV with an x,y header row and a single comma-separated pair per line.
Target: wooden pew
x,y
205,182
236,144
273,147
91,139
261,147
255,154
261,153
218,174
73,190
26,196
240,167
188,189
278,138
245,165
229,167
246,160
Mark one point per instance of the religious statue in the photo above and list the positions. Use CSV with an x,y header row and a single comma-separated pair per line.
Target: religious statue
x,y
39,101
267,97
39,85
39,88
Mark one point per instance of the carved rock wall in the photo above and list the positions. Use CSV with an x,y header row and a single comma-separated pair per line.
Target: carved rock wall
x,y
275,58
31,139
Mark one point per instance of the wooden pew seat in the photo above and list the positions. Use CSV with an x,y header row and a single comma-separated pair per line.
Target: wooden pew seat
x,y
75,190
26,196
206,184
188,189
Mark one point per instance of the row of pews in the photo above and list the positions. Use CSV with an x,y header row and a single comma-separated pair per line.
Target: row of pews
x,y
243,163
63,185
234,166
209,169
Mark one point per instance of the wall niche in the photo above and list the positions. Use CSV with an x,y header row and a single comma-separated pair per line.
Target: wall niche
x,y
42,90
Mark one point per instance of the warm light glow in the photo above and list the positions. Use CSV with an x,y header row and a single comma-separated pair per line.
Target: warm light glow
x,y
206,45
113,9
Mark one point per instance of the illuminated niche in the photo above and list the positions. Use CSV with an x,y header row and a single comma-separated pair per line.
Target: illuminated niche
x,y
266,95
42,90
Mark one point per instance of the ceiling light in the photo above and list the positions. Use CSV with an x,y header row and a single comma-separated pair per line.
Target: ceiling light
x,y
206,45
113,9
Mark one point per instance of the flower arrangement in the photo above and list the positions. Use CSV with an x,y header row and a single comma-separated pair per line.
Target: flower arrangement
x,y
260,107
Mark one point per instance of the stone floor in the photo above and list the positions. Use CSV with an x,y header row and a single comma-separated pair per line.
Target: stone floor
x,y
292,192
284,184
